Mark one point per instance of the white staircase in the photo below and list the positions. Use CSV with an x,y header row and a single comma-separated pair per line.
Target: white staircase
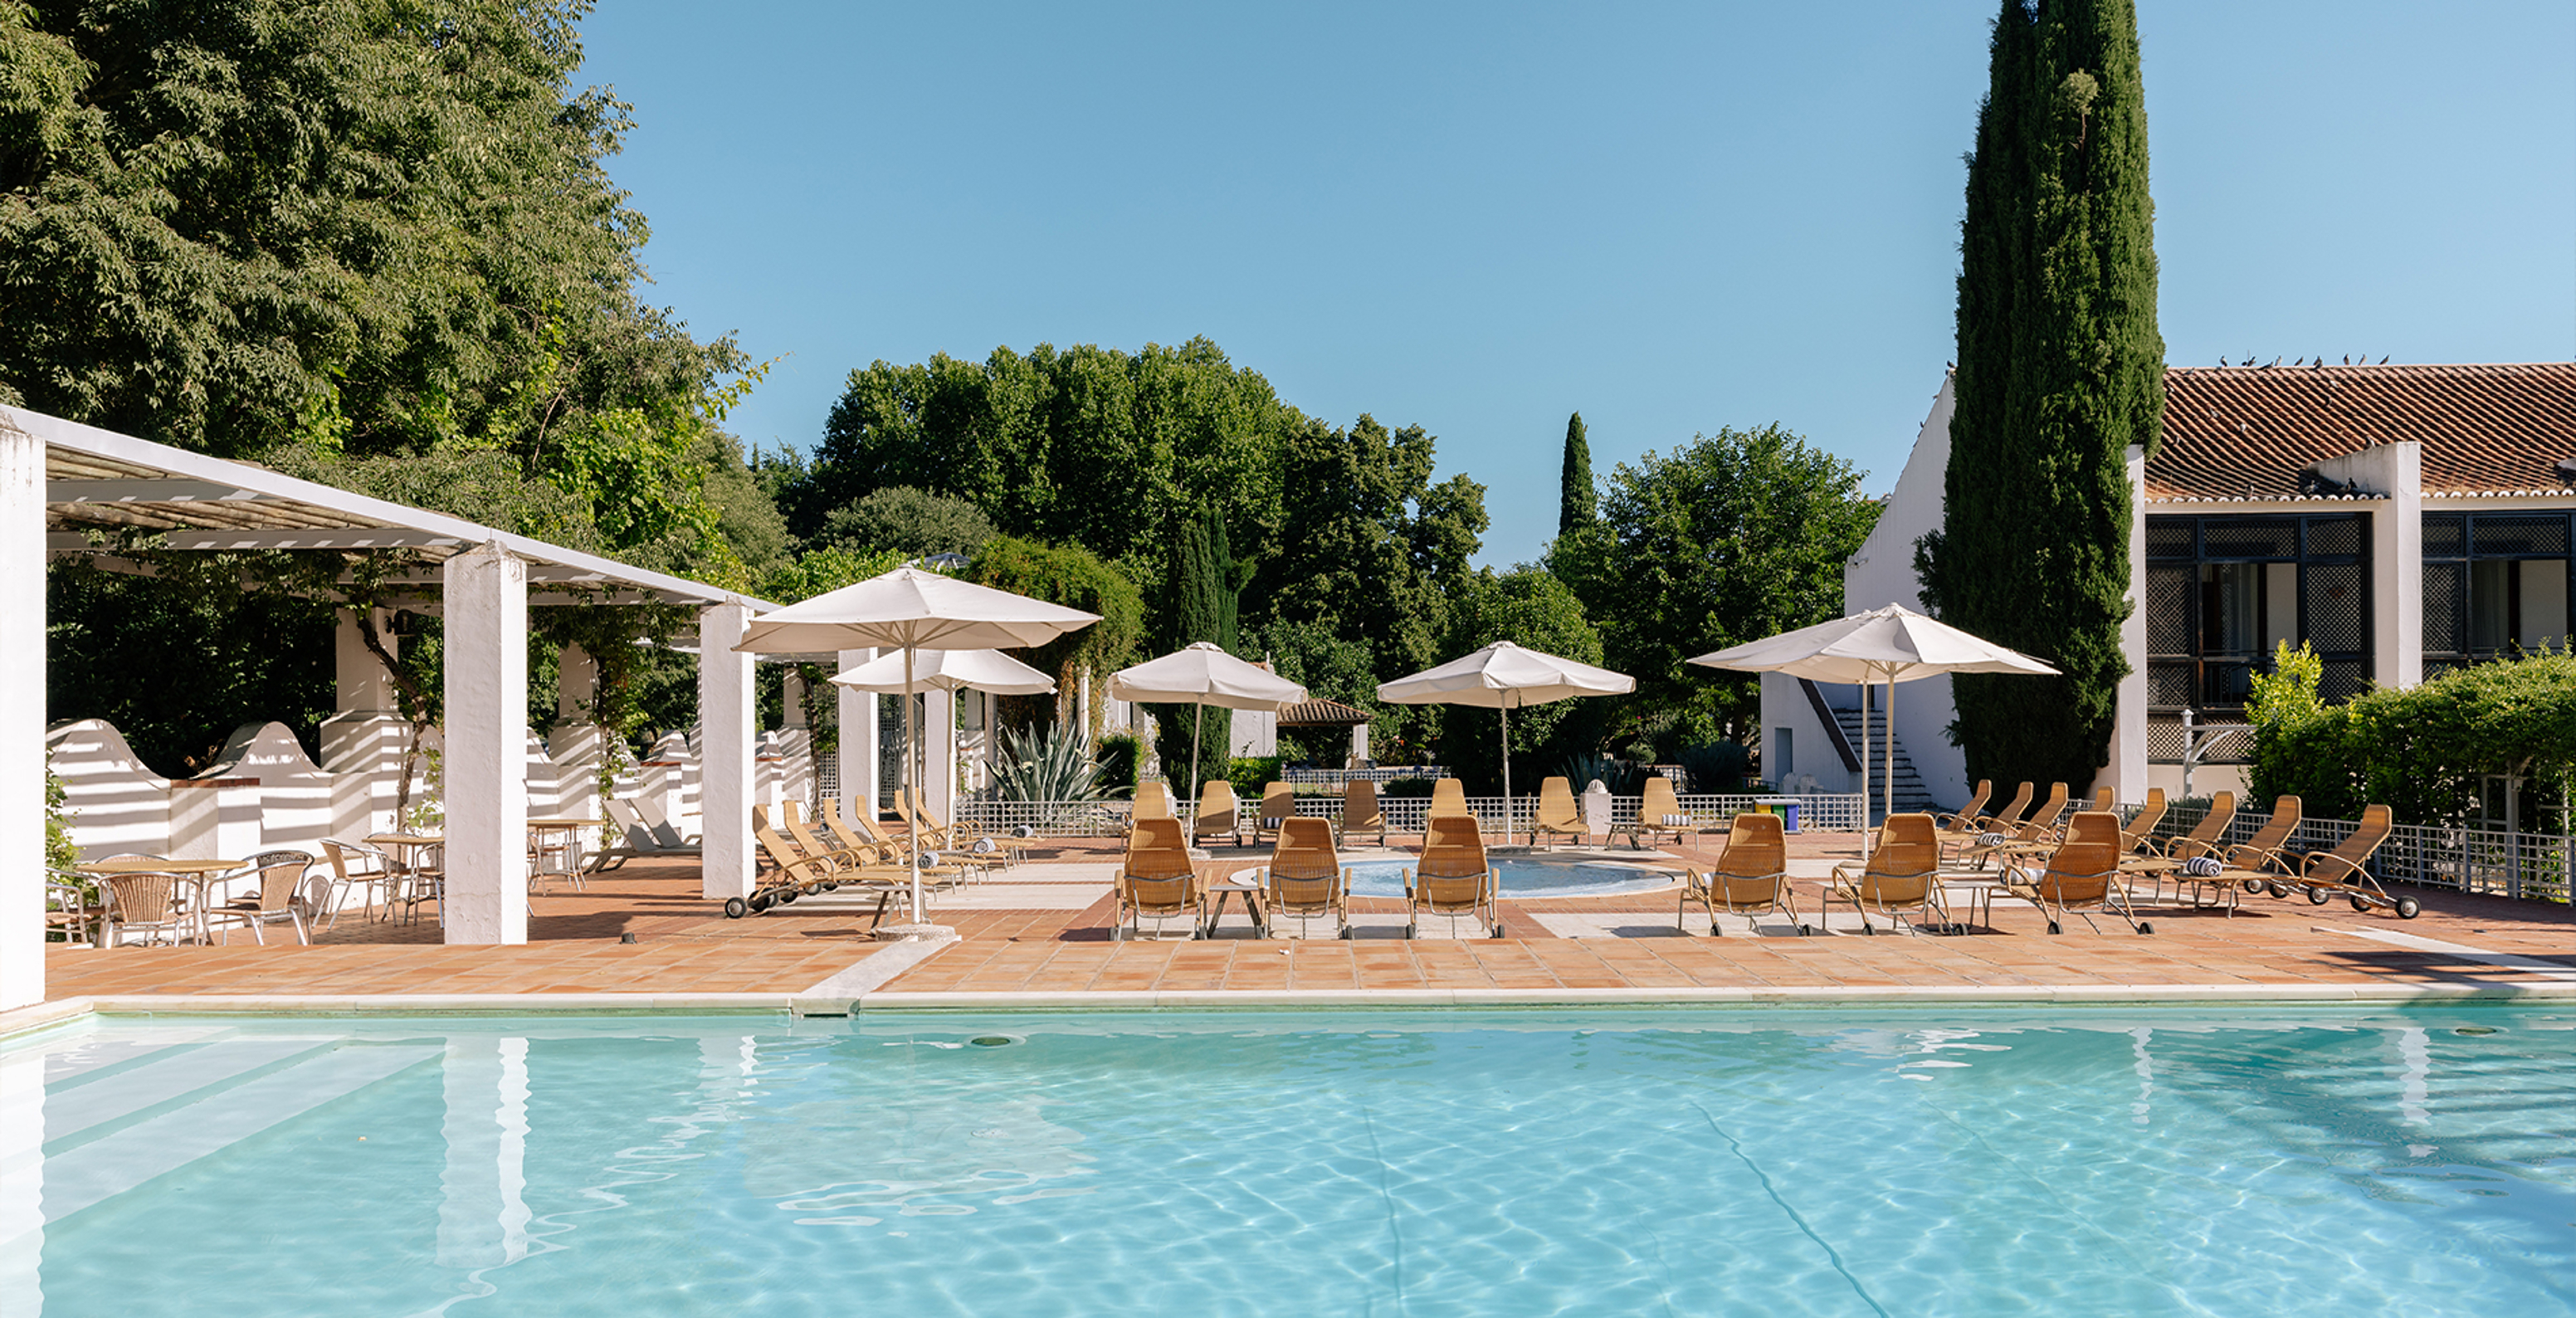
x,y
1911,795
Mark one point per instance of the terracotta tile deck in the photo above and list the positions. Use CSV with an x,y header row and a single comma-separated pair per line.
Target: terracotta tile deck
x,y
684,946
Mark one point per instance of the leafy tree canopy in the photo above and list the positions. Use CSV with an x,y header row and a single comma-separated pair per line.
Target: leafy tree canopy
x,y
1529,607
911,520
1730,538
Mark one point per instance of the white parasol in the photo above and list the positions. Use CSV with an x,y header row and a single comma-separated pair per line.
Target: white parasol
x,y
1203,674
1894,644
912,610
1505,677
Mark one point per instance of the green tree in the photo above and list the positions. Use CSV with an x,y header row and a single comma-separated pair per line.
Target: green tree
x,y
1529,607
1075,577
1092,446
2061,370
911,520
1376,551
1194,606
1732,537
1578,501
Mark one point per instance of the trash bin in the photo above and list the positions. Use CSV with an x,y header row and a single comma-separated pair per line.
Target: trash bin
x,y
1784,806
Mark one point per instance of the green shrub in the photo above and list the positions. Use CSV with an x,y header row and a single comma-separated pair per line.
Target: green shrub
x,y
1716,767
1118,753
1251,773
2421,752
59,852
1405,788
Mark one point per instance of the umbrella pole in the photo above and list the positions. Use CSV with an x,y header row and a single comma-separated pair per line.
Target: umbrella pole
x,y
914,841
1891,742
1863,760
1506,712
1198,726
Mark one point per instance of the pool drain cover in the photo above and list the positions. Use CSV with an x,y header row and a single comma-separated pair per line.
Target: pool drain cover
x,y
2474,1029
991,1040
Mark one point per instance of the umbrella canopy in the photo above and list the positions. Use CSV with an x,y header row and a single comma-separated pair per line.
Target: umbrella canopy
x,y
1894,644
1506,677
912,609
1203,674
948,670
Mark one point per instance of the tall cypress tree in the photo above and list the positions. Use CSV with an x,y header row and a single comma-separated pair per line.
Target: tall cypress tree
x,y
1197,604
1578,502
2060,370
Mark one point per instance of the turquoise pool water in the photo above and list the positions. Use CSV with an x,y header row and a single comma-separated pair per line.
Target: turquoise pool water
x,y
1690,1162
1525,876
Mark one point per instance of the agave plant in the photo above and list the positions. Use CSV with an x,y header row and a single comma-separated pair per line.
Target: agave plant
x,y
1051,762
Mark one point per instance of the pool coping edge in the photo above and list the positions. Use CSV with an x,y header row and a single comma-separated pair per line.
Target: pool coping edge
x,y
66,1010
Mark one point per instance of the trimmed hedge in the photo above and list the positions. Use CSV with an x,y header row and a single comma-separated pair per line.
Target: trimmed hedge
x,y
2422,751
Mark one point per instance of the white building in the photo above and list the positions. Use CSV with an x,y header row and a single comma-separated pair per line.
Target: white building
x,y
2401,519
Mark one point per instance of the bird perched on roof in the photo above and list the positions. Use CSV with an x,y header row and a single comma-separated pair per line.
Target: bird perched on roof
x,y
2347,359
2275,362
2383,361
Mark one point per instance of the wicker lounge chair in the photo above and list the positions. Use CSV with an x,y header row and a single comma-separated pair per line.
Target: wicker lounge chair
x,y
1153,801
1998,826
2138,836
1305,877
1453,877
1972,815
2083,875
1903,872
1751,876
2202,843
2266,854
1360,810
1156,880
1660,812
2035,834
2342,870
1278,802
1558,815
642,842
1219,814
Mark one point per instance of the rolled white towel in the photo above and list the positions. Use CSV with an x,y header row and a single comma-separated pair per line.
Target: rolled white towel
x,y
1024,831
2203,867
983,845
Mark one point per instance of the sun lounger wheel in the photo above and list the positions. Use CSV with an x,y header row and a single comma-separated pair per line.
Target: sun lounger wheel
x,y
2251,885
2360,903
1805,930
2316,896
2145,927
2408,908
736,908
2056,928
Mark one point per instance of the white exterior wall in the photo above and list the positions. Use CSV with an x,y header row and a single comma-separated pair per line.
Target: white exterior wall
x,y
1882,573
486,760
2126,774
22,718
1785,708
2395,473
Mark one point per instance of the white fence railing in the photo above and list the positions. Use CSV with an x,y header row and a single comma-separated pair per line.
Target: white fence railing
x,y
1337,777
2529,866
1818,812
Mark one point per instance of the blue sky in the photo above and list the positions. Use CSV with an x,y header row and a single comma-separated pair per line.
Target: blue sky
x,y
1480,218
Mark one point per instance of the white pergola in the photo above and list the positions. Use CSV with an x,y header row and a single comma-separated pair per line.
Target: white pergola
x,y
60,480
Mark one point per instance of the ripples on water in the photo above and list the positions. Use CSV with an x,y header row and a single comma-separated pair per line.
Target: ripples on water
x,y
1777,1163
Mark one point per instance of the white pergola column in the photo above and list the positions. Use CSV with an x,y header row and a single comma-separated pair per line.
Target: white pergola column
x,y
858,711
2126,774
22,718
726,732
485,765
2397,567
575,743
939,750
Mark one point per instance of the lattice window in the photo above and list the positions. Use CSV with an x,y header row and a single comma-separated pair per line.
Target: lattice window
x,y
2446,535
2336,615
2542,536
2333,535
2265,538
2170,590
2169,537
2446,608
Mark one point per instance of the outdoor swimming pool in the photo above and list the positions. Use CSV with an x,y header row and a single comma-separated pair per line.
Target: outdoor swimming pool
x,y
1525,876
1690,1161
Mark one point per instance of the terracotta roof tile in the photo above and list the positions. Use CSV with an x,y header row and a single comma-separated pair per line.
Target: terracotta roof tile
x,y
2236,432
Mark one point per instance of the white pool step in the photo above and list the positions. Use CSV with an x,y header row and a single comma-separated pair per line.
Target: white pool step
x,y
204,1115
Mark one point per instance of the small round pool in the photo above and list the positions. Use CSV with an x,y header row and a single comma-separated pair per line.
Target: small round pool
x,y
1525,877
